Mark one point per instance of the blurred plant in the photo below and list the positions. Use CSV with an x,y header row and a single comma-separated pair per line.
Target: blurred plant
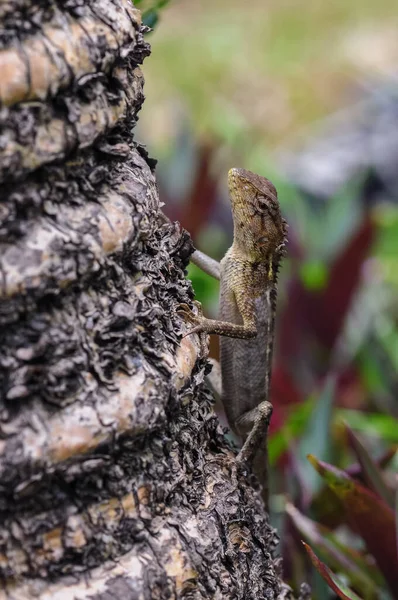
x,y
336,359
150,10
368,510
336,355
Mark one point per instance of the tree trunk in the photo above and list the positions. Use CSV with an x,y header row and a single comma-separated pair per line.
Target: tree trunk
x,y
116,481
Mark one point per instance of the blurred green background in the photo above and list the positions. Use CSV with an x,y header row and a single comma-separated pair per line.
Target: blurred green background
x,y
256,84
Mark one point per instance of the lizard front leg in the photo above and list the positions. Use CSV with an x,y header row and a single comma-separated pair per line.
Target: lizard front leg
x,y
246,307
219,327
206,264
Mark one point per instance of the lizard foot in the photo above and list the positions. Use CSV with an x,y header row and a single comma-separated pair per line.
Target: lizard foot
x,y
196,320
192,317
259,418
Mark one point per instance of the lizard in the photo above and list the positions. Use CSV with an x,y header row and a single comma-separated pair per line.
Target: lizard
x,y
248,289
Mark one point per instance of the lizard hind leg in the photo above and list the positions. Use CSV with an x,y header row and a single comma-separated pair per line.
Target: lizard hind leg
x,y
255,447
255,421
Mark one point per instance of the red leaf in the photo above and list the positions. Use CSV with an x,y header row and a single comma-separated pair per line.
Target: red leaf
x,y
203,195
368,515
372,474
355,470
318,316
284,392
333,582
344,277
362,573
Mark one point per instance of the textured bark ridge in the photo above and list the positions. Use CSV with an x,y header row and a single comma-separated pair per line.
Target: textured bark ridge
x,y
115,478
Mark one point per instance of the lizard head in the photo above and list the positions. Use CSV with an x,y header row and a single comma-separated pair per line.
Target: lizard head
x,y
259,229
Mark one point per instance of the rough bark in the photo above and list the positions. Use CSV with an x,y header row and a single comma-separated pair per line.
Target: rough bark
x,y
115,478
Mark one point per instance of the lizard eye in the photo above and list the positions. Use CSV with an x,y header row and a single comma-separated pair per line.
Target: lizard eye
x,y
261,204
262,241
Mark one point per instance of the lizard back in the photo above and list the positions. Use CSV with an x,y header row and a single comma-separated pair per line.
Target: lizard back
x,y
246,363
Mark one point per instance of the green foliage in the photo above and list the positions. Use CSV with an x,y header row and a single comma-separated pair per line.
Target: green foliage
x,y
249,74
206,287
316,436
292,429
326,228
375,424
150,10
338,555
386,249
314,274
371,471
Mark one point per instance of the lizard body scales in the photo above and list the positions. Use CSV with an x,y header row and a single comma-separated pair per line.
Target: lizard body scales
x,y
248,287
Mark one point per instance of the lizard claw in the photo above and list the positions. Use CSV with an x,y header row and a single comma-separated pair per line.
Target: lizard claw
x,y
184,310
189,315
196,320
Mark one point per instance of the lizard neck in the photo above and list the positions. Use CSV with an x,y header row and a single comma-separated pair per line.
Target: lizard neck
x,y
244,249
254,257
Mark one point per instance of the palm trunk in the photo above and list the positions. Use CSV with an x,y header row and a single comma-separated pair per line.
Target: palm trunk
x,y
115,478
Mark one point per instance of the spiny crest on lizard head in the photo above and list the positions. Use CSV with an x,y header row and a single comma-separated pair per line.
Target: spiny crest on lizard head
x,y
259,227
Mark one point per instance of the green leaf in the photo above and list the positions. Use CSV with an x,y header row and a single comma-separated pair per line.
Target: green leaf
x,y
342,215
206,287
380,425
326,228
387,336
387,242
150,10
314,275
370,370
150,18
316,438
292,428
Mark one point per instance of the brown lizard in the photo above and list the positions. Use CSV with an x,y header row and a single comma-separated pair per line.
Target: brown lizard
x,y
248,287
